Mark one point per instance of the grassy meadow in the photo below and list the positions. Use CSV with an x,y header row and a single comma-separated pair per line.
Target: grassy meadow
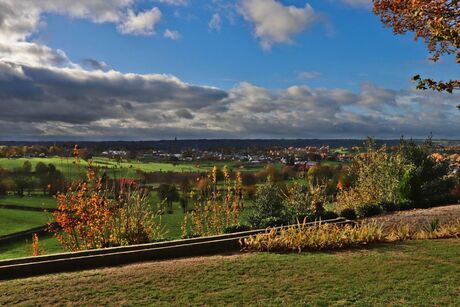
x,y
414,273
23,248
36,201
18,220
114,169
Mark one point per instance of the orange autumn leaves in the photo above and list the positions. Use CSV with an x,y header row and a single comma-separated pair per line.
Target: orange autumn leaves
x,y
436,22
83,215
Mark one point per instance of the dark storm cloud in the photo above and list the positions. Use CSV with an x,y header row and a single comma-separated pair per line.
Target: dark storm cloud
x,y
68,103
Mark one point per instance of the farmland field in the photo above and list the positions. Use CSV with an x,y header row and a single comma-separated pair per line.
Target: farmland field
x,y
18,220
123,169
416,273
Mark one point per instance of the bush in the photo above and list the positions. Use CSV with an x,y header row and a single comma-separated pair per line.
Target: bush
x,y
268,204
273,222
328,215
348,213
406,205
390,206
323,236
368,210
305,201
134,222
318,237
236,228
215,207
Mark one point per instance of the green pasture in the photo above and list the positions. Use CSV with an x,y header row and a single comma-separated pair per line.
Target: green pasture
x,y
29,201
414,273
23,248
113,168
18,220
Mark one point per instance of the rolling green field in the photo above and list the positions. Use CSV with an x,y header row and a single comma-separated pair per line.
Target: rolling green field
x,y
414,273
29,201
18,220
127,169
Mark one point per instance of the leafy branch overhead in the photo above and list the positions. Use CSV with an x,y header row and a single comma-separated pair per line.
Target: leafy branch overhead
x,y
436,22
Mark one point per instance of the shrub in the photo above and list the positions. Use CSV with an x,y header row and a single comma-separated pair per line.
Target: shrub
x,y
236,228
303,237
368,210
268,204
377,178
390,206
328,215
273,221
348,213
83,214
134,222
321,236
406,205
305,201
427,184
215,207
90,217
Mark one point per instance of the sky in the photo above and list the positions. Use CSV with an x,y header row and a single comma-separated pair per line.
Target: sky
x,y
159,69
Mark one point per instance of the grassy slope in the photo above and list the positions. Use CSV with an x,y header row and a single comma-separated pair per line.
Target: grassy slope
x,y
32,201
19,220
418,273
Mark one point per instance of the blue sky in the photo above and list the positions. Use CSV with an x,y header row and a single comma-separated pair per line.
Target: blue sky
x,y
152,69
349,47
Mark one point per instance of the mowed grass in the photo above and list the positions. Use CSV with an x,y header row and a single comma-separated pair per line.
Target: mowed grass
x,y
23,248
29,201
18,220
114,169
64,164
416,273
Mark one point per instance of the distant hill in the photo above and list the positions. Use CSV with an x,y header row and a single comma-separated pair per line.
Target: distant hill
x,y
213,144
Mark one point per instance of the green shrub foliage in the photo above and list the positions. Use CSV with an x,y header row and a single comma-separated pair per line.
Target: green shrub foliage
x,y
268,206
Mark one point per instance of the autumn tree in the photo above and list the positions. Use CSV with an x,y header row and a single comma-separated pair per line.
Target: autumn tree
x,y
436,22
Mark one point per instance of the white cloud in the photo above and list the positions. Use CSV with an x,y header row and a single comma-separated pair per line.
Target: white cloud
x,y
275,23
304,75
171,34
19,19
215,24
358,3
142,23
173,2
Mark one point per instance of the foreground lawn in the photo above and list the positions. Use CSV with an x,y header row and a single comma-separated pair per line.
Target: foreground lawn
x,y
417,273
29,201
18,220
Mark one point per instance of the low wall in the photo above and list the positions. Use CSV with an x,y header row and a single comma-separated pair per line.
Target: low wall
x,y
76,261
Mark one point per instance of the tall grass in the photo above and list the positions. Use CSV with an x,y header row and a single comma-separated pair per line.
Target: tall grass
x,y
321,236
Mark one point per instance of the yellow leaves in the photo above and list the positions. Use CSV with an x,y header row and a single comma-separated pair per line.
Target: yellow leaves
x,y
83,213
215,207
321,236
